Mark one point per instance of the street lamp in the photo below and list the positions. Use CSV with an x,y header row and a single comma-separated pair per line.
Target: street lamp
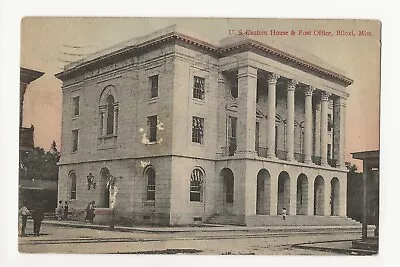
x,y
90,181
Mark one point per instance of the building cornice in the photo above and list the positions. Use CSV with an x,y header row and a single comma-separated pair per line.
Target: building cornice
x,y
29,75
245,45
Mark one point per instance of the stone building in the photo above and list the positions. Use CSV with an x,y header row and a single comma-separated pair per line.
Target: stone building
x,y
171,129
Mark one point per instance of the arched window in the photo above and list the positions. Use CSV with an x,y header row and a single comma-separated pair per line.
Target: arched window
x,y
151,184
196,182
72,177
108,110
110,114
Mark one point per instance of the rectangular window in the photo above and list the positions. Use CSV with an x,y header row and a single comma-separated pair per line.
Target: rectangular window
x,y
197,130
198,88
329,151
75,104
152,122
154,86
257,141
195,191
232,135
74,140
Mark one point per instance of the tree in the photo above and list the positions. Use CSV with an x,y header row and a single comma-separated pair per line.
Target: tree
x,y
351,167
38,164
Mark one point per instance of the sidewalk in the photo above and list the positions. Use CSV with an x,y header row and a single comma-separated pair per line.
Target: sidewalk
x,y
201,228
338,246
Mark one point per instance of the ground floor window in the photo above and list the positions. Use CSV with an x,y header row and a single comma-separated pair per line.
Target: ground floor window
x,y
196,181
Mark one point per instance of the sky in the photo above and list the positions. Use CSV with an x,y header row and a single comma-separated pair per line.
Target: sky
x,y
47,43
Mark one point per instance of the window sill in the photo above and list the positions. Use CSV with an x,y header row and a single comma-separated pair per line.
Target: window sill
x,y
149,203
196,204
153,100
198,144
108,136
74,152
199,101
75,117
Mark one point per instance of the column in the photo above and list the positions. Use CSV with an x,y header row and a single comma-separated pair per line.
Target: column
x,y
247,86
308,124
272,80
317,133
365,198
115,124
290,119
339,122
104,126
324,127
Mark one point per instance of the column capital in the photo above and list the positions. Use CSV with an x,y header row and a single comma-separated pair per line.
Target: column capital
x,y
340,101
291,86
309,90
325,96
247,70
273,78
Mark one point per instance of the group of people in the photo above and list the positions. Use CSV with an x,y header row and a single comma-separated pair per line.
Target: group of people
x,y
37,216
62,211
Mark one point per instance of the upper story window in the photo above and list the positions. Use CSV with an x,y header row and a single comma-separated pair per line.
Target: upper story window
x,y
198,130
199,88
75,104
196,182
108,112
75,140
232,128
153,86
152,123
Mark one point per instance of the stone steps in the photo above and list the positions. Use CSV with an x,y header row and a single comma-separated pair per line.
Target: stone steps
x,y
274,220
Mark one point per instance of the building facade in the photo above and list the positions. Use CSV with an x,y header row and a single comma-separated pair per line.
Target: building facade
x,y
171,129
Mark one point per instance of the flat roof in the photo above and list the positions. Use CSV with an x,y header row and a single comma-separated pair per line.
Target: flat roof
x,y
370,154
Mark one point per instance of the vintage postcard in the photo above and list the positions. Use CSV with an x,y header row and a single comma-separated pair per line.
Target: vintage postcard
x,y
199,136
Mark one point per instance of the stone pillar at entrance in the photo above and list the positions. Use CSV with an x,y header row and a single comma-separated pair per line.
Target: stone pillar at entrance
x,y
272,80
324,128
310,206
273,191
308,124
290,119
247,86
293,196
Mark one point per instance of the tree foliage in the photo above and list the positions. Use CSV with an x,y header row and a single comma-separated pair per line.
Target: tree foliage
x,y
39,164
351,167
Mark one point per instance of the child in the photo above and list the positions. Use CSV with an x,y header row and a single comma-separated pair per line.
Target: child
x,y
284,213
24,216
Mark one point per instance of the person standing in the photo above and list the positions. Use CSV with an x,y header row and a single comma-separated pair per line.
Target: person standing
x,y
66,210
60,211
284,213
38,216
24,217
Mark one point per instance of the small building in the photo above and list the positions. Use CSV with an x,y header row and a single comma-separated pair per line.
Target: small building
x,y
172,129
32,190
370,198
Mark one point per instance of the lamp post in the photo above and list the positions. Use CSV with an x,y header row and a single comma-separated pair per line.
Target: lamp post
x,y
90,181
